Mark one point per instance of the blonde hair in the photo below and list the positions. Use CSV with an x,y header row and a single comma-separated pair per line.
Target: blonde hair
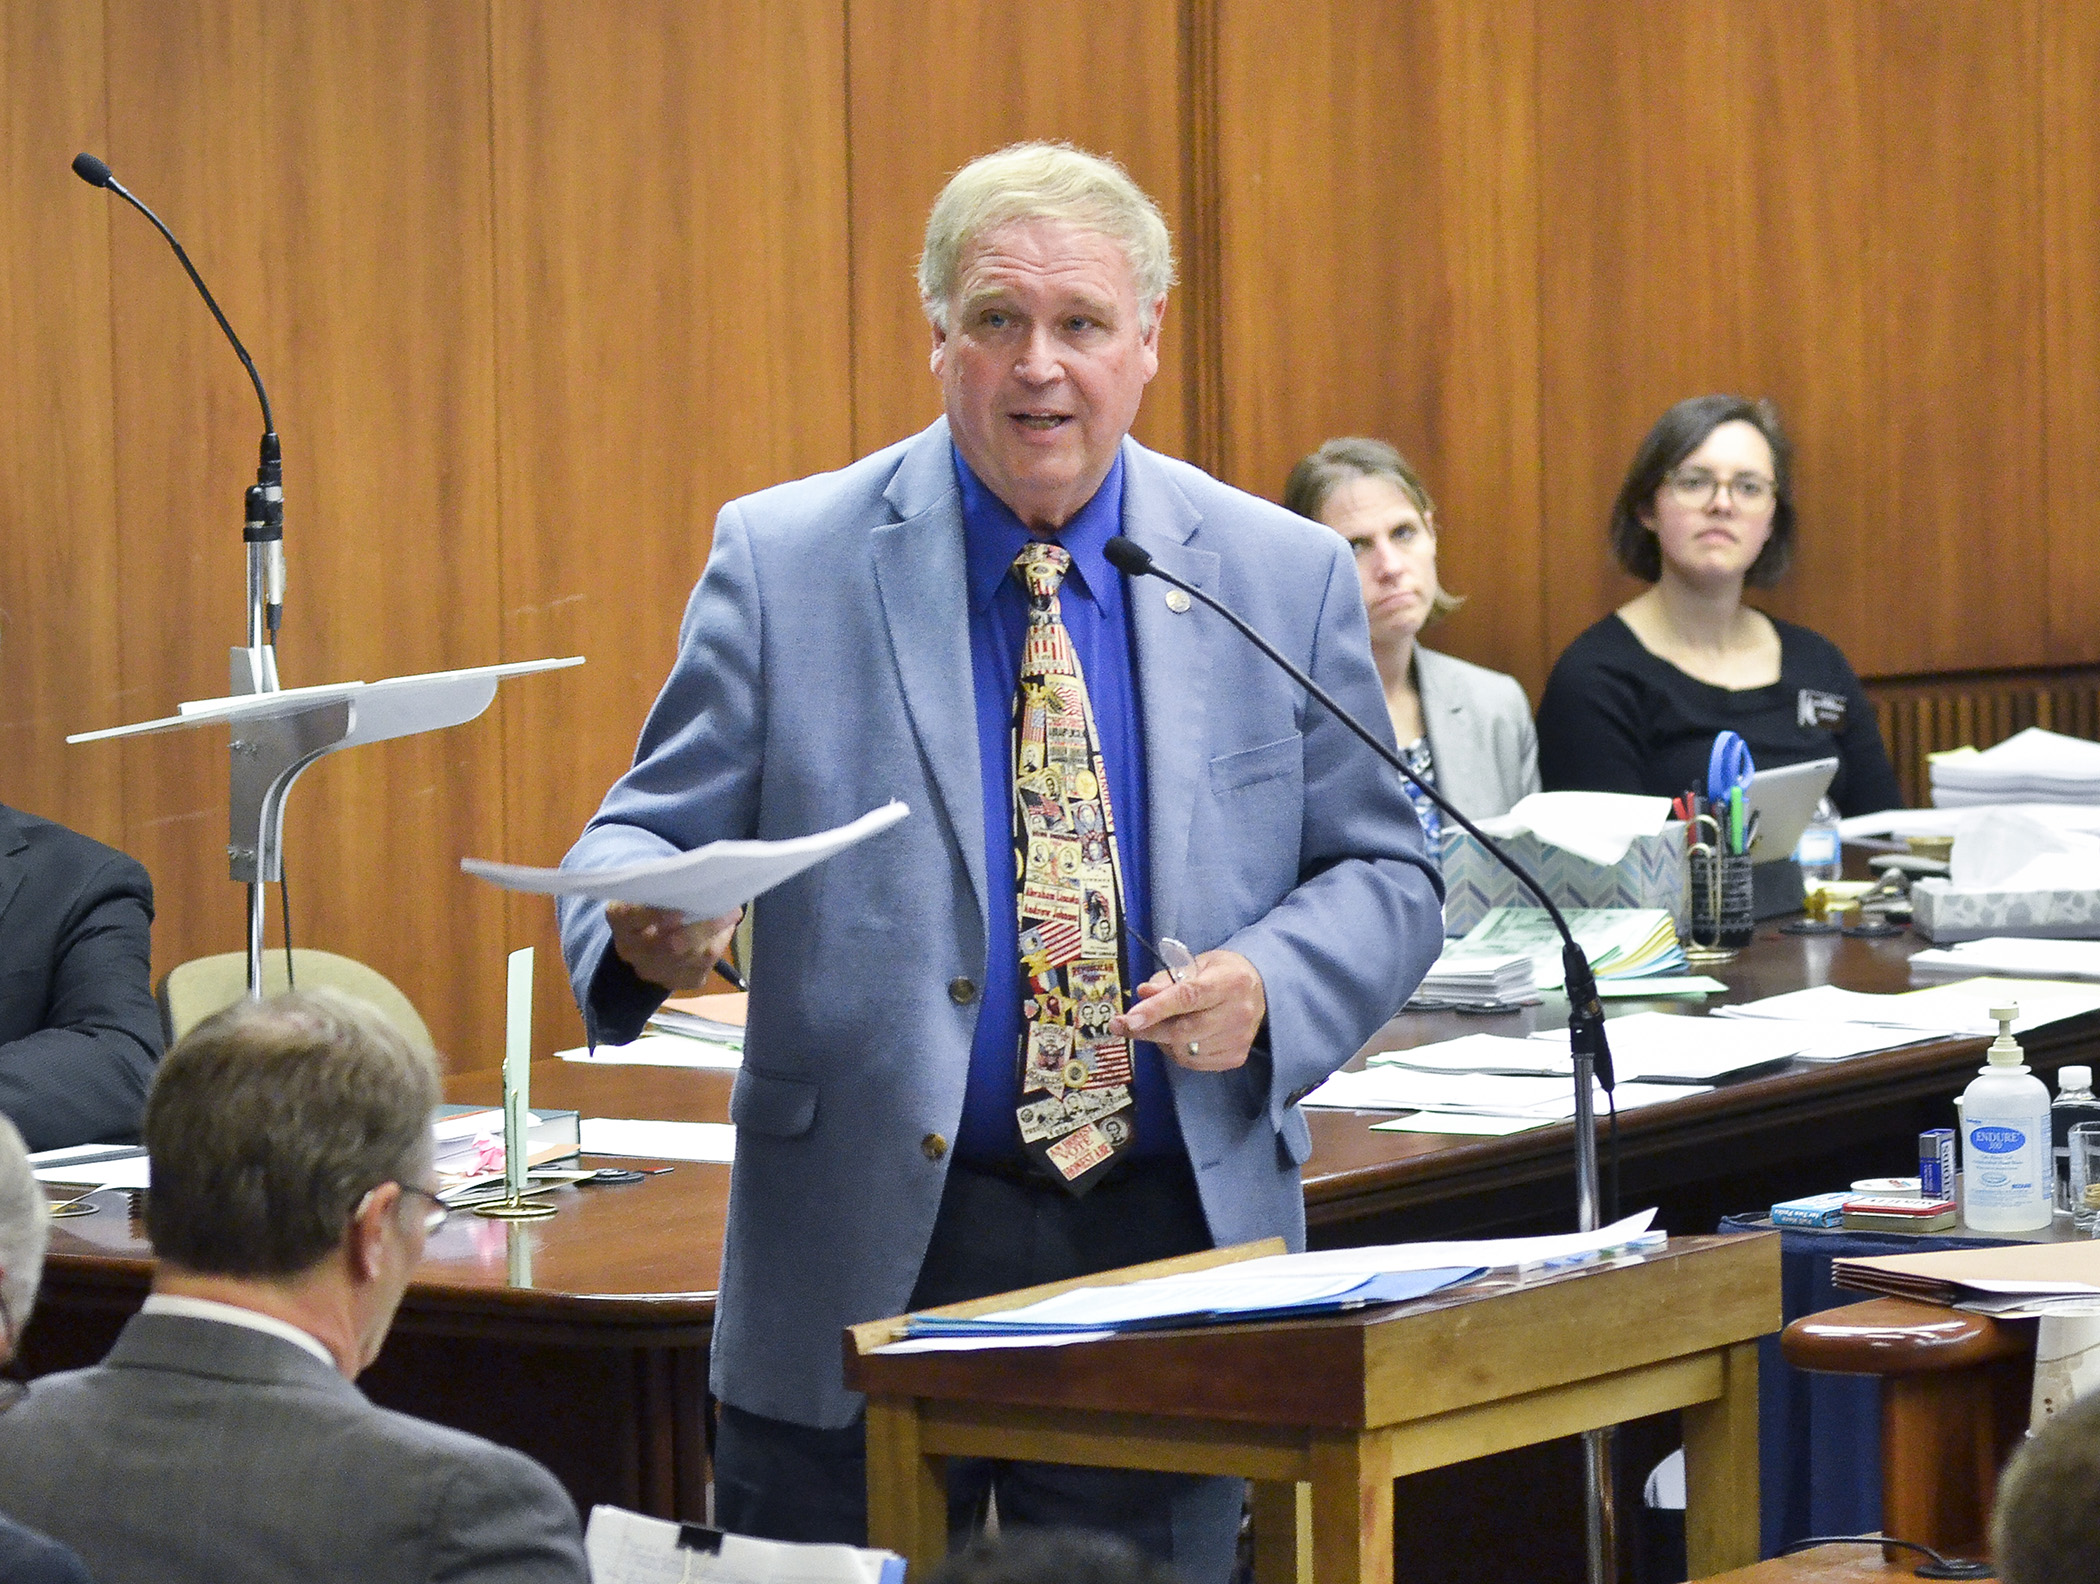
x,y
1338,462
1044,181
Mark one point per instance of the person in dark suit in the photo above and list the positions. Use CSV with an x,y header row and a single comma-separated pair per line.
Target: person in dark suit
x,y
79,1031
26,1557
223,1441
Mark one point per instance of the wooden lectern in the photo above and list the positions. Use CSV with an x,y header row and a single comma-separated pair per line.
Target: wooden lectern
x,y
1325,1414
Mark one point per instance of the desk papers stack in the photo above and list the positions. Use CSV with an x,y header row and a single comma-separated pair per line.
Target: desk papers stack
x,y
1948,1010
1476,980
2033,766
2007,955
2024,1277
1621,943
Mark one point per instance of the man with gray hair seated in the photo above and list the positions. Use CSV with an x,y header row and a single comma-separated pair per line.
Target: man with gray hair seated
x,y
223,1441
26,1557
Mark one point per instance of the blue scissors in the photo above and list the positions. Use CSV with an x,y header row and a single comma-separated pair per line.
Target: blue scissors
x,y
1728,767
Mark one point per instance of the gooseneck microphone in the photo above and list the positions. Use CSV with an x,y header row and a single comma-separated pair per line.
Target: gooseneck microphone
x,y
264,530
1585,1011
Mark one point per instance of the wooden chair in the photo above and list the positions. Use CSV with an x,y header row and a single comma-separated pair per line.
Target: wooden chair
x,y
190,992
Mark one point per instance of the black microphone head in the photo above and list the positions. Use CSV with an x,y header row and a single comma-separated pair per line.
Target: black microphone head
x,y
1128,556
91,170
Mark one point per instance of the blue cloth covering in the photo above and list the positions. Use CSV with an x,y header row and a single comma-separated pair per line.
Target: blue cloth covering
x,y
1095,613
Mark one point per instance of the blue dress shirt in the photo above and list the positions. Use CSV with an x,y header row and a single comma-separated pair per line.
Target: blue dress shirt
x,y
1092,603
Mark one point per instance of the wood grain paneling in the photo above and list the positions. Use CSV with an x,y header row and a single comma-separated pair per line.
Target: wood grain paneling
x,y
1379,240
1956,334
1687,254
60,577
2070,117
539,284
935,83
338,204
671,287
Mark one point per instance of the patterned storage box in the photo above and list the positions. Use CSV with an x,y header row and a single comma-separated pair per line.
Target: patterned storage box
x,y
1651,875
1942,914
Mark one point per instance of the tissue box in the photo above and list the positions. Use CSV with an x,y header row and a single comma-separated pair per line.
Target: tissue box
x,y
1941,914
1651,875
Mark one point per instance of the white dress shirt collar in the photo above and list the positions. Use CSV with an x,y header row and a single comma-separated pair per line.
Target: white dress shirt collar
x,y
233,1314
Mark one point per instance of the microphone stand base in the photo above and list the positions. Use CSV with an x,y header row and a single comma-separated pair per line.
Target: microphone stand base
x,y
516,1210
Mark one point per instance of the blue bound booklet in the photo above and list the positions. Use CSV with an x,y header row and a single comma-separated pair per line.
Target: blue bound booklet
x,y
1197,1298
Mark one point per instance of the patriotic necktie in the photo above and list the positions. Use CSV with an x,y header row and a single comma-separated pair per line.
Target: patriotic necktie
x,y
1076,1112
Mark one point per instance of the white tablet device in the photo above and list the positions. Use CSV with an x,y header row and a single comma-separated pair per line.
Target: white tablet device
x,y
1784,801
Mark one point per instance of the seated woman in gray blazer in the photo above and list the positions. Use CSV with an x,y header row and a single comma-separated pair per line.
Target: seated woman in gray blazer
x,y
1462,726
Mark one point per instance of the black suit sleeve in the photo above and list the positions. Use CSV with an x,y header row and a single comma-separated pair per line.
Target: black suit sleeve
x,y
78,1073
1589,725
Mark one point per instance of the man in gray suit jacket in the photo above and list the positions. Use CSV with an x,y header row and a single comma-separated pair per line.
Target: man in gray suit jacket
x,y
223,1441
856,637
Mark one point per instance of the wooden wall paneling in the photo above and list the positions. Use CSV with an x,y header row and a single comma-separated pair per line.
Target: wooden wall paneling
x,y
1704,163
338,203
934,83
1381,230
60,573
671,288
1957,336
2070,126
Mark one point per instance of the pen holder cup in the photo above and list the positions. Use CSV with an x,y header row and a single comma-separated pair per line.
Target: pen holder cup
x,y
1722,912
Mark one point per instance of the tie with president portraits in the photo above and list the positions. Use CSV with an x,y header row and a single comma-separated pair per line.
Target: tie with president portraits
x,y
1076,1112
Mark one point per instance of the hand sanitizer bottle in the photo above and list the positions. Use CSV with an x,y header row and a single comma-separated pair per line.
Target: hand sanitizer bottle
x,y
2009,1170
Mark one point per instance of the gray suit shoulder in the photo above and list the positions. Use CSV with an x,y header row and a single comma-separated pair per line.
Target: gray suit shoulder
x,y
1477,684
498,1514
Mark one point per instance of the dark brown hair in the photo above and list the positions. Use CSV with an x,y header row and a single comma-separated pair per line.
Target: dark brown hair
x,y
270,1121
1676,435
1320,473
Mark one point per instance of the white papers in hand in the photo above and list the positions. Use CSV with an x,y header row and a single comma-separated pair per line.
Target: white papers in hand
x,y
682,1141
707,882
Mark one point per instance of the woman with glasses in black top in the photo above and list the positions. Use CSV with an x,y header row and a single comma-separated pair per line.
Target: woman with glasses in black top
x,y
1633,704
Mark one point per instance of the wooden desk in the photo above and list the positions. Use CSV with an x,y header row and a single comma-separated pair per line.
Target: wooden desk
x,y
1345,1405
594,1363
1736,1149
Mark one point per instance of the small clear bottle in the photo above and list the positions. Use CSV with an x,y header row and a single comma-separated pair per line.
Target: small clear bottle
x,y
2075,1102
1821,851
